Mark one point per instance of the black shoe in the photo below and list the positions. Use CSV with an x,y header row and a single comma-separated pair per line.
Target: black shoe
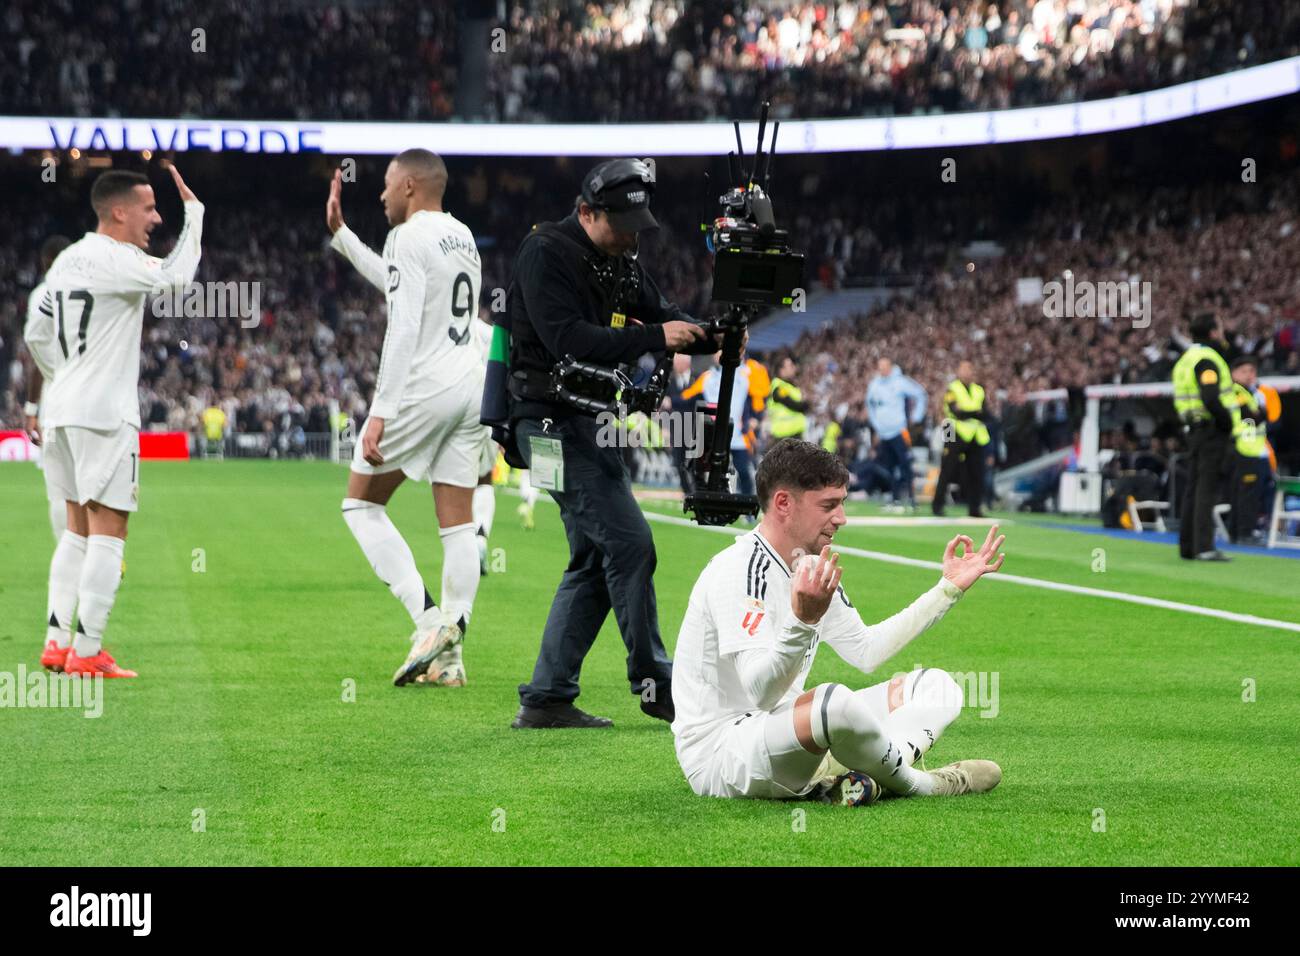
x,y
556,715
1215,555
663,709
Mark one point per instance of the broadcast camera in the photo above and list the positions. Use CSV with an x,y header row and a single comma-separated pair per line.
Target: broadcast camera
x,y
753,269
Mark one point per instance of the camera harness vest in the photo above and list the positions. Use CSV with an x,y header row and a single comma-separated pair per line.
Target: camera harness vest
x,y
615,282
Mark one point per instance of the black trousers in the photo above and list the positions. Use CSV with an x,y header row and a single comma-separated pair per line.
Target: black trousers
x,y
611,566
1249,476
962,461
1208,449
896,458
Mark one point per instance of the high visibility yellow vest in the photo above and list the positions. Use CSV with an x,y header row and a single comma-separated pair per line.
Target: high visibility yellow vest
x,y
1187,390
831,439
1248,429
965,399
214,423
786,422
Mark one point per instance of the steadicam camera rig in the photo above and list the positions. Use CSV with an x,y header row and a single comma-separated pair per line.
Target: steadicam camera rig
x,y
753,269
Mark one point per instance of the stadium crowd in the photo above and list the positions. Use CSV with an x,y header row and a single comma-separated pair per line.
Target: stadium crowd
x,y
559,61
320,327
1199,251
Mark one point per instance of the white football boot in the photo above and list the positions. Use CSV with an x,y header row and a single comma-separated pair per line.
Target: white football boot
x,y
447,670
966,776
431,642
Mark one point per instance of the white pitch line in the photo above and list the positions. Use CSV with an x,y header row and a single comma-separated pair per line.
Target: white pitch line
x,y
915,521
1028,582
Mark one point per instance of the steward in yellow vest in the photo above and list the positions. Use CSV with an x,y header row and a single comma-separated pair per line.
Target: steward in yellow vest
x,y
964,436
1252,470
1204,401
788,416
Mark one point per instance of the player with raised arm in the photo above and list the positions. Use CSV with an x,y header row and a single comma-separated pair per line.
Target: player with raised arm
x,y
745,725
95,298
424,419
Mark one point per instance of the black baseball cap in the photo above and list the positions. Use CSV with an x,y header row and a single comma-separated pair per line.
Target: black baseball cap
x,y
622,187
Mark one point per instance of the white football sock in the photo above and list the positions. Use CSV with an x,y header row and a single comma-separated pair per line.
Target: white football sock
x,y
459,571
59,518
526,489
388,553
101,573
484,508
929,701
860,741
65,580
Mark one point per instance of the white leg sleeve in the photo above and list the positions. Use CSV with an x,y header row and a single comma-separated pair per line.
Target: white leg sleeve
x,y
388,553
460,573
65,581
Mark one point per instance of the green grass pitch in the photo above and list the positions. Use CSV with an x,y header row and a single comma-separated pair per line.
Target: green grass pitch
x,y
1108,713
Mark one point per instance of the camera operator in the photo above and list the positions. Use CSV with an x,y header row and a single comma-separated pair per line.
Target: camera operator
x,y
578,291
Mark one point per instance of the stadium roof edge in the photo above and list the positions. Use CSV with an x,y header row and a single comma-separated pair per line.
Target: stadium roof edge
x,y
1250,85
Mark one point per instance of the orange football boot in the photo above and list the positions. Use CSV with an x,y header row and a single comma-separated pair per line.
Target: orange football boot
x,y
54,657
102,664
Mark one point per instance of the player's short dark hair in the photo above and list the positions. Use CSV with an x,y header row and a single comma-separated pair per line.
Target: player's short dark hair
x,y
423,164
50,250
798,465
1244,360
113,185
1202,325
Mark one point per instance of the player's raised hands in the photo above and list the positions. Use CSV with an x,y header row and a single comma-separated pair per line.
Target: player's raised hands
x,y
187,194
968,567
334,205
814,584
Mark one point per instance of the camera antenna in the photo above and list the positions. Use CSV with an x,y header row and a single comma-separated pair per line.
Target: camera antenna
x,y
767,164
758,150
740,151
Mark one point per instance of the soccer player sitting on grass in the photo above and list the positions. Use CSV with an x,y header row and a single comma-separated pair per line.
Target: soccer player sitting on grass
x,y
745,725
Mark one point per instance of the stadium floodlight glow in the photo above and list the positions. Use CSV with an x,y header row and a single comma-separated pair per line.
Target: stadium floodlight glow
x,y
1252,85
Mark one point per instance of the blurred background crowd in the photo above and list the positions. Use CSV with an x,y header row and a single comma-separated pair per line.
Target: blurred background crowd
x,y
572,61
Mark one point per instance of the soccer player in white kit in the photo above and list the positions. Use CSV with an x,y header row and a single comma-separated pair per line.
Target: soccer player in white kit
x,y
745,725
95,295
424,419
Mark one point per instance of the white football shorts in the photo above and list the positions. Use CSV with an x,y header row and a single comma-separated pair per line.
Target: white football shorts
x,y
88,464
437,440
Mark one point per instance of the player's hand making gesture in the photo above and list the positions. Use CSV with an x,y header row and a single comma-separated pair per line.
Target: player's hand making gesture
x,y
187,194
814,584
965,569
334,205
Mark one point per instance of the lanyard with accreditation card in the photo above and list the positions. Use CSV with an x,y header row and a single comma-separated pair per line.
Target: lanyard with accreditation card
x,y
546,466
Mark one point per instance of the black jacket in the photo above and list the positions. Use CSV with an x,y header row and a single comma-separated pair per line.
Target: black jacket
x,y
557,307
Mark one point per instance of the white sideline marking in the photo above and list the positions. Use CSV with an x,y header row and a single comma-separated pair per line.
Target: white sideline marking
x,y
883,521
1021,579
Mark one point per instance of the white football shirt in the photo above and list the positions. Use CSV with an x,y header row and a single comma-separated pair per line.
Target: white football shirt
x,y
96,291
741,603
431,275
39,333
